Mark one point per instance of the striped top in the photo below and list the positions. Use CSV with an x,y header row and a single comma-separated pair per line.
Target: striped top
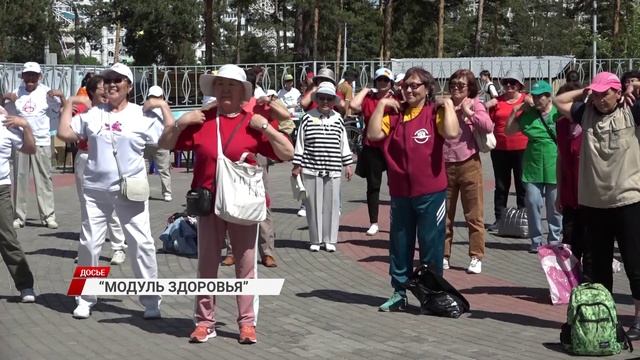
x,y
322,148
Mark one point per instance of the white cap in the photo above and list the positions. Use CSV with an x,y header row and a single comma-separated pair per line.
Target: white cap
x,y
383,72
118,68
271,92
156,91
399,77
229,71
31,66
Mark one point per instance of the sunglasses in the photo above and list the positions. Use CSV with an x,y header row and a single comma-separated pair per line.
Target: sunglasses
x,y
510,82
457,85
413,86
116,81
324,97
384,79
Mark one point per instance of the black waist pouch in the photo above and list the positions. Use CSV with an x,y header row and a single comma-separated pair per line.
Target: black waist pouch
x,y
199,202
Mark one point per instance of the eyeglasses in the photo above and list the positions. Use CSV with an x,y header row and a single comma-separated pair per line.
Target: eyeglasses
x,y
116,81
324,97
457,85
510,82
414,86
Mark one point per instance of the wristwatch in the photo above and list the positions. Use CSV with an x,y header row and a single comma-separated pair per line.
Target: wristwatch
x,y
264,126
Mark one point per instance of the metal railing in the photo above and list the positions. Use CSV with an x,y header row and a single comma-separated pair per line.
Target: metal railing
x,y
182,88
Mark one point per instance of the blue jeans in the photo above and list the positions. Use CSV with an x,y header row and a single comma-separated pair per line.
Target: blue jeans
x,y
534,202
424,216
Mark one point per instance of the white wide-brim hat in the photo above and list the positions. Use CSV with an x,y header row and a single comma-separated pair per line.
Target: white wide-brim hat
x,y
326,88
228,71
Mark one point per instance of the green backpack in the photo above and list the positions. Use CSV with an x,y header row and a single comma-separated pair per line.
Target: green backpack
x,y
592,324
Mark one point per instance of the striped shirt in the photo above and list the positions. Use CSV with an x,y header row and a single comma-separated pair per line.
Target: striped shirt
x,y
322,148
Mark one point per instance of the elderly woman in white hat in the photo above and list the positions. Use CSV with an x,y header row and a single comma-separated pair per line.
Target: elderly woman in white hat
x,y
371,163
321,152
240,131
117,133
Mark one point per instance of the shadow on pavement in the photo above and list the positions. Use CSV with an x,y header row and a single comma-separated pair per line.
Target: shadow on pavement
x,y
69,254
557,347
373,243
509,246
364,201
285,210
537,295
66,235
519,319
292,244
352,298
349,228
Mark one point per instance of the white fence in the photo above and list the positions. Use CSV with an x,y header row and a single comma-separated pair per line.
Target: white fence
x,y
180,83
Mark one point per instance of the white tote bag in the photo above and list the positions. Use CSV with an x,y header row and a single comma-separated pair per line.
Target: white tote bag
x,y
240,193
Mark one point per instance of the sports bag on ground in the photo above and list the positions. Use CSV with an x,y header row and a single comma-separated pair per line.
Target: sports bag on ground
x,y
436,295
513,223
592,324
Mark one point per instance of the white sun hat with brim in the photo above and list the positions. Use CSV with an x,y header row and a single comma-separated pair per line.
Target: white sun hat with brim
x,y
229,71
120,69
156,91
326,88
325,74
399,77
271,92
515,75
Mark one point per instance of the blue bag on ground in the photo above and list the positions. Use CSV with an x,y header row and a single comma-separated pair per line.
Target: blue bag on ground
x,y
180,237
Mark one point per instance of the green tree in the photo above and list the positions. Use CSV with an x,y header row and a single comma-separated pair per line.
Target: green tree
x,y
25,27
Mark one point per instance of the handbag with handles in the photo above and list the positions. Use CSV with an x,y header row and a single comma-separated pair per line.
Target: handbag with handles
x,y
131,188
240,193
513,223
485,141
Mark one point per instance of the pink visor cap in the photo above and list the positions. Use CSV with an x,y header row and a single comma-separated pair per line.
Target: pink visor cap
x,y
605,81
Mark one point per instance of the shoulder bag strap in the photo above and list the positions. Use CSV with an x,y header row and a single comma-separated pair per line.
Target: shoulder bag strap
x,y
113,145
220,147
546,126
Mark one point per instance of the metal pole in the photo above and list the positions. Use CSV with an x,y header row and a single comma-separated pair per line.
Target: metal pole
x,y
345,45
595,36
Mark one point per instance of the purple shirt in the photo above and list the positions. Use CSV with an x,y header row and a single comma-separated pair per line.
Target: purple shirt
x,y
463,147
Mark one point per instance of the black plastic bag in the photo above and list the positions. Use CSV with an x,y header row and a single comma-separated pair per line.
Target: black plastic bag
x,y
436,295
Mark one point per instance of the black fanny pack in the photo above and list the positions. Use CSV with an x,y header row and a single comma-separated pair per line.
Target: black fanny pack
x,y
199,202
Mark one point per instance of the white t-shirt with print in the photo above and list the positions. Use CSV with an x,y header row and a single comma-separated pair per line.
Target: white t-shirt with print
x,y
130,129
290,98
9,138
41,111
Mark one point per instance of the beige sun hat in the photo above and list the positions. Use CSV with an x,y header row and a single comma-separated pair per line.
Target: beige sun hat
x,y
229,71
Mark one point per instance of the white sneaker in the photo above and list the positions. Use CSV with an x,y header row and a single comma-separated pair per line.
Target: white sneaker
x,y
302,212
373,229
50,223
151,313
330,247
82,311
314,247
445,264
17,224
118,257
475,266
167,197
27,295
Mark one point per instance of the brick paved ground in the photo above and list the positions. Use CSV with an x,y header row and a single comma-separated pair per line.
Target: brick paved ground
x,y
327,309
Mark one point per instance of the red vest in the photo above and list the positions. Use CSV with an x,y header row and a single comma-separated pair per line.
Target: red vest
x,y
413,152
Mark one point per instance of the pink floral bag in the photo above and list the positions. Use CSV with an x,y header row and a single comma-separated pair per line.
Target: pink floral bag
x,y
562,270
